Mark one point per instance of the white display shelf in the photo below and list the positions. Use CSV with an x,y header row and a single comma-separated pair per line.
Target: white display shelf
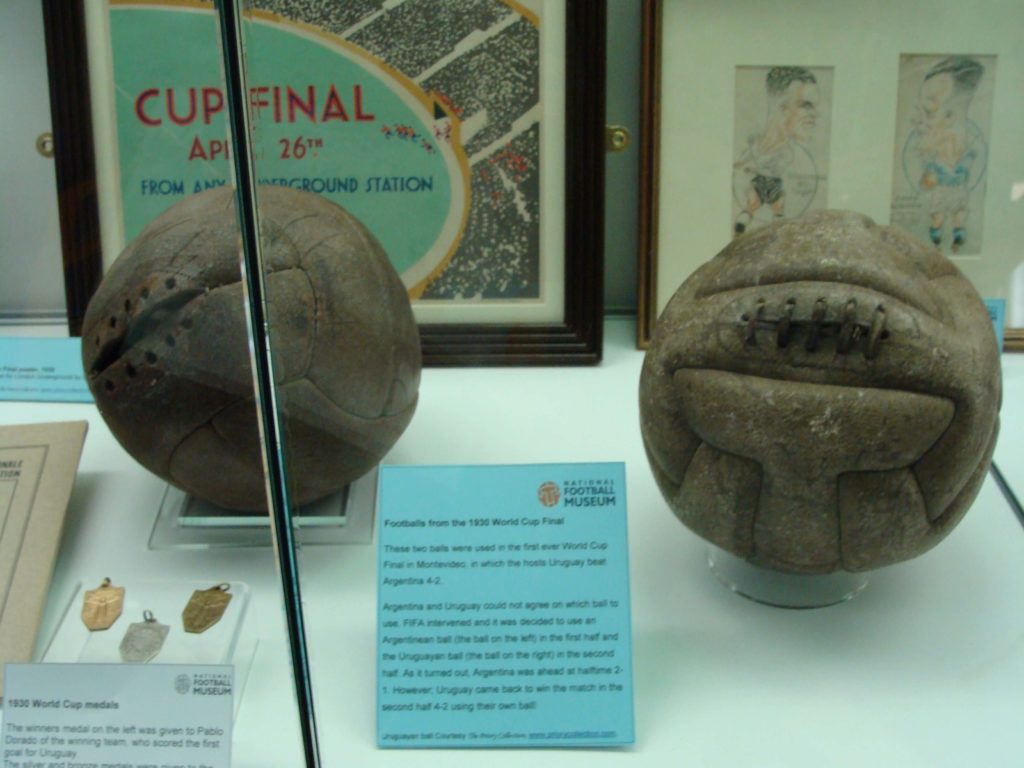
x,y
924,668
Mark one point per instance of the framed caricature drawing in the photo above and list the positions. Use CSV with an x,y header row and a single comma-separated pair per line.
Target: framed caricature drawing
x,y
908,112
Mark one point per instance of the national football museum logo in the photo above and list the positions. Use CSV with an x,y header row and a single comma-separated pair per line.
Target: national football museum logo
x,y
549,493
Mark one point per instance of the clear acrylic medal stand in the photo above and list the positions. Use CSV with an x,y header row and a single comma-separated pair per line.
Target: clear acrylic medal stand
x,y
345,517
232,640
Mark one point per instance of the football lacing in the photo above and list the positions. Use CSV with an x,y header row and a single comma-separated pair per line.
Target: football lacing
x,y
845,326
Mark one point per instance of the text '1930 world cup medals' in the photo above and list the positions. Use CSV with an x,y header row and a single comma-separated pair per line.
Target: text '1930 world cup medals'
x,y
205,607
102,606
144,639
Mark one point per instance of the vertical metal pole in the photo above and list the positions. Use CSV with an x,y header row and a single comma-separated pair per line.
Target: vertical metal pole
x,y
232,42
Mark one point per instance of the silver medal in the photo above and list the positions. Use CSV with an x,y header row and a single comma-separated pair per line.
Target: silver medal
x,y
144,639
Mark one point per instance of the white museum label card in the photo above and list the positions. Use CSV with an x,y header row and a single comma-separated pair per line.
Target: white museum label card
x,y
503,607
127,715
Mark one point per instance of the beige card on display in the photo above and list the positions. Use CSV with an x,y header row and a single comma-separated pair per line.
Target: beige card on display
x,y
38,463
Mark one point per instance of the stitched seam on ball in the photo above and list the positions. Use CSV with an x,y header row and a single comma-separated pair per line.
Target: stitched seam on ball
x,y
297,220
382,291
316,326
302,255
705,292
181,250
165,228
353,414
903,390
924,499
993,435
209,422
368,247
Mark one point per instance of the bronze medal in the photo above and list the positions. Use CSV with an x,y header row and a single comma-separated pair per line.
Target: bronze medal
x,y
144,639
205,608
102,606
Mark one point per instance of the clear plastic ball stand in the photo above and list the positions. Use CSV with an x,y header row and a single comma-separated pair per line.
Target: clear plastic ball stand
x,y
784,590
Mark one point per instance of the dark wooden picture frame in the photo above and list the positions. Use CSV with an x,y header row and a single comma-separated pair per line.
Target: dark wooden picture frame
x,y
650,138
77,199
576,340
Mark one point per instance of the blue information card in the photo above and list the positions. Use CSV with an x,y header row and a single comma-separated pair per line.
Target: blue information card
x,y
503,607
997,311
42,370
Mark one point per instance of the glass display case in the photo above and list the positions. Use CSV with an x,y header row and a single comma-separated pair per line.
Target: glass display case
x,y
81,576
308,246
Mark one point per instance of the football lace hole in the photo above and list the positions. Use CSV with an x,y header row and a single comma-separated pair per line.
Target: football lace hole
x,y
127,305
130,370
187,323
169,340
113,322
108,385
151,357
169,282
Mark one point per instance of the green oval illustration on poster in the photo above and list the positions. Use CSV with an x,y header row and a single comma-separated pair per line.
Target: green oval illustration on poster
x,y
384,148
328,119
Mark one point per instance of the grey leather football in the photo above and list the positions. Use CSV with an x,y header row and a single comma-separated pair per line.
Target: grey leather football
x,y
822,395
166,352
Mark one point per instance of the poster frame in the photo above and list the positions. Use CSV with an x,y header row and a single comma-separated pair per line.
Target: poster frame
x,y
576,339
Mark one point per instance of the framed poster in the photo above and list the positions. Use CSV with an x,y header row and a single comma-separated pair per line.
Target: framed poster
x,y
449,128
905,112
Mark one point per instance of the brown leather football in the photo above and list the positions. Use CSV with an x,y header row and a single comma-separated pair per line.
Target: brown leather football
x,y
822,395
166,352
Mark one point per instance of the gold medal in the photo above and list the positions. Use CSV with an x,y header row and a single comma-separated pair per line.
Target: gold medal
x,y
205,608
102,606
